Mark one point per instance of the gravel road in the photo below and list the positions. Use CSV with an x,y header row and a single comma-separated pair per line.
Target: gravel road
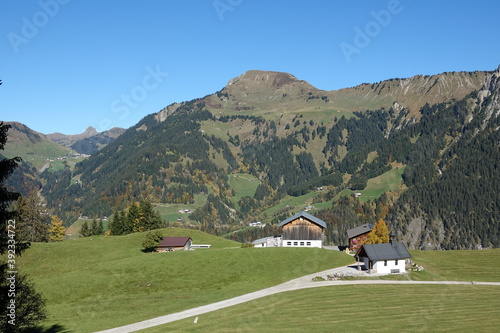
x,y
299,283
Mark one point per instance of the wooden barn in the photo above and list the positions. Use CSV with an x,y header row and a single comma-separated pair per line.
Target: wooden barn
x,y
357,236
302,230
174,244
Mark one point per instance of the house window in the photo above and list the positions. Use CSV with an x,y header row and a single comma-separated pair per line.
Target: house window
x,y
396,262
385,262
288,243
301,243
308,243
295,243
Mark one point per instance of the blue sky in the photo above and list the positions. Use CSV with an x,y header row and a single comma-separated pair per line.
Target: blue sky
x,y
70,64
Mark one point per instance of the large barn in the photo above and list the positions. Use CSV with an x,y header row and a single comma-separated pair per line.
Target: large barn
x,y
303,230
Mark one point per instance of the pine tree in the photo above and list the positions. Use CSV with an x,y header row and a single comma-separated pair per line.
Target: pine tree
x,y
100,228
31,219
30,306
84,230
135,218
96,228
57,230
151,218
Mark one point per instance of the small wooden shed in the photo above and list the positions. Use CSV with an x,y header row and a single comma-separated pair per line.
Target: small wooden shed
x,y
174,244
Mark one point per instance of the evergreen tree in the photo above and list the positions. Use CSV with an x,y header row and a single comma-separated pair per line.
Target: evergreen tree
x,y
31,219
117,223
96,228
85,230
30,306
57,230
100,228
135,218
151,218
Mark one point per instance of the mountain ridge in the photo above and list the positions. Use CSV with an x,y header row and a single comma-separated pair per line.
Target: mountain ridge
x,y
257,92
88,142
294,138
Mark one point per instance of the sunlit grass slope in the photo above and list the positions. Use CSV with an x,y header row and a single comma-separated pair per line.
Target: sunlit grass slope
x,y
102,282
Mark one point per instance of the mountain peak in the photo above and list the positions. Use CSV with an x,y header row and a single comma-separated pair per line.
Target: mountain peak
x,y
269,79
90,131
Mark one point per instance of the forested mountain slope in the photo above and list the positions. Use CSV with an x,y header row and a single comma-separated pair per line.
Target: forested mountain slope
x,y
442,129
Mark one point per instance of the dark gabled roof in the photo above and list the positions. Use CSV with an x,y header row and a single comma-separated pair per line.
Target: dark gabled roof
x,y
173,241
305,215
362,229
384,251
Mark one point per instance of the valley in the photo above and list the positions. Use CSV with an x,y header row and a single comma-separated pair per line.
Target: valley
x,y
258,150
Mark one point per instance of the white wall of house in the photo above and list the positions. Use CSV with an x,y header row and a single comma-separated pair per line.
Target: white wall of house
x,y
302,243
386,266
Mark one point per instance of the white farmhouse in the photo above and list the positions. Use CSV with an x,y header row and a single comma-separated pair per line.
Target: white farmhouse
x,y
384,258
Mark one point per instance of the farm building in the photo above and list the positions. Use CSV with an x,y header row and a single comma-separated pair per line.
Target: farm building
x,y
272,241
303,230
384,258
174,244
357,236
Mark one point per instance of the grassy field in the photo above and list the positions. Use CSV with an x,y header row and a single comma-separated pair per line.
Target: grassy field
x,y
411,308
244,185
363,308
458,265
170,212
102,282
388,181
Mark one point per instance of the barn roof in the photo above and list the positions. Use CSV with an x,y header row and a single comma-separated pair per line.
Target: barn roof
x,y
305,215
384,251
173,241
362,229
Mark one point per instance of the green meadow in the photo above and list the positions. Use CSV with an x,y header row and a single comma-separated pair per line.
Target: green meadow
x,y
102,282
458,265
360,308
97,283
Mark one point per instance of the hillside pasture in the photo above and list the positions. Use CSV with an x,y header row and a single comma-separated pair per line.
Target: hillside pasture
x,y
102,282
361,308
388,181
244,185
458,265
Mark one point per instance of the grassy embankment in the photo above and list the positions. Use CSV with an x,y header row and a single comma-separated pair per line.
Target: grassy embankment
x,y
407,308
102,282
